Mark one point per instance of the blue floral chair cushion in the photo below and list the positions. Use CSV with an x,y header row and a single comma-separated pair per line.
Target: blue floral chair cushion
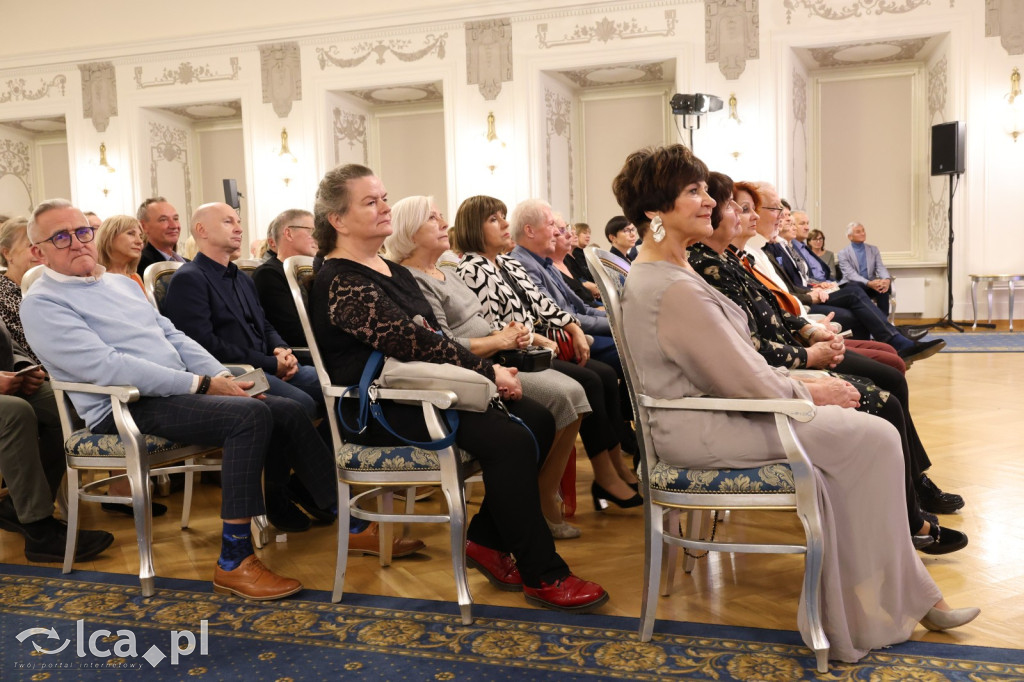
x,y
391,458
771,479
85,443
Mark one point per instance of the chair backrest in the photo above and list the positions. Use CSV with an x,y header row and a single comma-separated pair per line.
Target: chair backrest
x,y
607,268
248,265
30,277
155,280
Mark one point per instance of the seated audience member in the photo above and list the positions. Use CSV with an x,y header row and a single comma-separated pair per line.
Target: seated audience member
x,y
94,220
861,265
32,461
292,233
507,295
216,305
816,242
561,258
419,237
776,332
578,262
119,244
16,254
160,223
360,303
817,269
690,340
621,234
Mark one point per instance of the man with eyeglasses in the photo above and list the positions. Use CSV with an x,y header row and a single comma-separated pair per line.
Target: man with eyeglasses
x,y
93,328
292,234
162,226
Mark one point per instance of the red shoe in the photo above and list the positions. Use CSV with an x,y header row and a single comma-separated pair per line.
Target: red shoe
x,y
497,567
570,594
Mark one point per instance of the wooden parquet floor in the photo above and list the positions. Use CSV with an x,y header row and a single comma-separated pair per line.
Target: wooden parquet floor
x,y
969,409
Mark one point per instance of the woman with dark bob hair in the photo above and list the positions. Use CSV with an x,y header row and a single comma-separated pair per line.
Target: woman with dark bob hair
x,y
508,295
361,302
690,340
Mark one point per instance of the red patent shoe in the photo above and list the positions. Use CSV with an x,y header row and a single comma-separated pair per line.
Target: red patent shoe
x,y
497,567
571,594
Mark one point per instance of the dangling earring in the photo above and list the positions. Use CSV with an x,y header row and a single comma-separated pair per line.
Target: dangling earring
x,y
657,229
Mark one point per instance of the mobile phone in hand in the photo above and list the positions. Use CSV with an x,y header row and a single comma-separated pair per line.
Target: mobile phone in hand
x,y
846,333
259,379
27,370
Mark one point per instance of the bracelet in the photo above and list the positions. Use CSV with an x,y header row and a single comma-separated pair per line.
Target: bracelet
x,y
204,385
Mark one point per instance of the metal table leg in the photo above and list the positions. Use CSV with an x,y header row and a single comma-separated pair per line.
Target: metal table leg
x,y
974,301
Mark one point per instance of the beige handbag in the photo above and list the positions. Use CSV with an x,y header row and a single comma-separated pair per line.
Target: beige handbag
x,y
474,390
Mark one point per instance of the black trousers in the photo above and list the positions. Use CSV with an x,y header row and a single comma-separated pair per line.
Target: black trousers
x,y
510,518
600,429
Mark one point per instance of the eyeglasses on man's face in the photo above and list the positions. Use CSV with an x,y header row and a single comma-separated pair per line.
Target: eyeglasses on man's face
x,y
62,239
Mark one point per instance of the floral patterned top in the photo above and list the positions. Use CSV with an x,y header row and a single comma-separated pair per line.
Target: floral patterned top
x,y
501,302
356,310
10,312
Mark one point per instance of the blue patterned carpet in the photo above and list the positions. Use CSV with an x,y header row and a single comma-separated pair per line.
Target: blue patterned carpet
x,y
979,342
377,638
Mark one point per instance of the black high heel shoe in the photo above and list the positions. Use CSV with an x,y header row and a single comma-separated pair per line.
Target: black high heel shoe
x,y
602,497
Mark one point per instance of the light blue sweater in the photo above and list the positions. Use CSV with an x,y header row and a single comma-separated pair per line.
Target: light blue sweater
x,y
103,331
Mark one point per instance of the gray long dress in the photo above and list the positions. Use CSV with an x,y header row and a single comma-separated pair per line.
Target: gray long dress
x,y
459,312
687,339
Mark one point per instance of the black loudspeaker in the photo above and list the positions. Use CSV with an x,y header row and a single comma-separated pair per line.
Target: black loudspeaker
x,y
948,148
231,194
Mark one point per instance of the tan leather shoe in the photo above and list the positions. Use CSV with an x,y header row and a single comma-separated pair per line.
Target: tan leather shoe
x,y
368,542
253,580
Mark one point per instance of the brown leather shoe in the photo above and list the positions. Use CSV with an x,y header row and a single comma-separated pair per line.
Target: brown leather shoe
x,y
253,580
368,542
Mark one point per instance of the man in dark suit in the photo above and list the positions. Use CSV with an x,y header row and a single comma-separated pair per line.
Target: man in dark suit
x,y
292,233
162,226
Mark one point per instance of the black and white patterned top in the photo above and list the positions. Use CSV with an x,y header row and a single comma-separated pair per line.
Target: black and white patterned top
x,y
500,301
10,312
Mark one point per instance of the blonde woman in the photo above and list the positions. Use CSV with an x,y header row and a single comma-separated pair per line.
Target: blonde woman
x,y
119,243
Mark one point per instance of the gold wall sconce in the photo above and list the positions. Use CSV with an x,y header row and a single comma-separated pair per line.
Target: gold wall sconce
x,y
1013,122
493,146
105,172
287,164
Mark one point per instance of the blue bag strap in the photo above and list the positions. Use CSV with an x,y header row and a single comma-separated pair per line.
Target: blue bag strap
x,y
451,416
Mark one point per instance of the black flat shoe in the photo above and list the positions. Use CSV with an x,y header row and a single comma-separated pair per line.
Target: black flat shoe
x,y
921,350
128,510
946,540
602,497
301,496
934,500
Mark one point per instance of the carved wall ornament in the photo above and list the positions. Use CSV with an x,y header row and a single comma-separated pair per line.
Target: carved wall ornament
x,y
558,123
15,160
351,128
186,74
653,72
799,97
937,89
731,35
830,9
398,47
18,89
281,75
905,50
169,144
489,55
937,217
1005,18
99,93
605,29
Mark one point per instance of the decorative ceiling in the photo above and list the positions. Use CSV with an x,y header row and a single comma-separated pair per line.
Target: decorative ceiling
x,y
209,111
867,53
619,74
415,93
38,126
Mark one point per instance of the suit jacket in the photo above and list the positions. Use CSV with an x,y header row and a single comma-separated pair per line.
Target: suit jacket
x,y
851,268
219,308
550,281
785,262
276,299
150,255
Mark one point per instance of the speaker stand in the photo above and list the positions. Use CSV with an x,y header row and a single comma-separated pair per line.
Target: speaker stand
x,y
948,321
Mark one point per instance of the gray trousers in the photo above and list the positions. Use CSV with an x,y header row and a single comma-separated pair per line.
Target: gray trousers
x,y
31,452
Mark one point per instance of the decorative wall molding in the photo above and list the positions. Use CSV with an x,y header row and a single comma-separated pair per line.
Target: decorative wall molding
x,y
799,97
938,202
653,72
937,89
170,144
731,35
558,123
349,127
1005,18
825,57
399,47
937,226
799,138
603,30
489,55
186,74
15,160
281,74
18,89
99,93
847,9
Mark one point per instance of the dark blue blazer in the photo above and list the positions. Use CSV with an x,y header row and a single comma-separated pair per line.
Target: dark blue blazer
x,y
209,302
779,255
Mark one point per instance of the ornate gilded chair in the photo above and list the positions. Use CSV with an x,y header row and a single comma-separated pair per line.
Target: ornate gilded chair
x,y
668,490
386,469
